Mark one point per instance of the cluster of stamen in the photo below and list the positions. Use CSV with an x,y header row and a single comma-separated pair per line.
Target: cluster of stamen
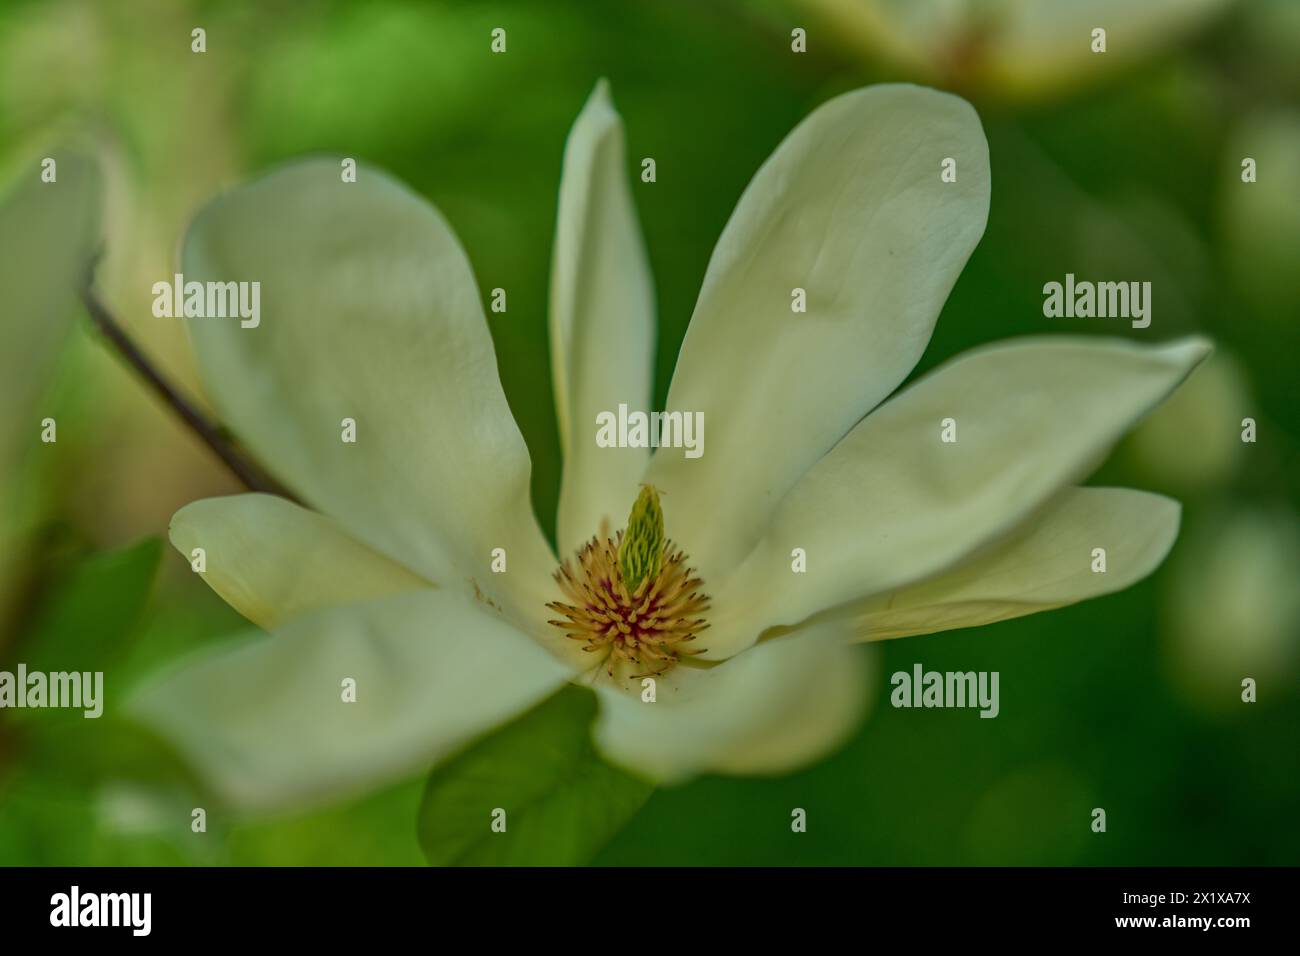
x,y
647,627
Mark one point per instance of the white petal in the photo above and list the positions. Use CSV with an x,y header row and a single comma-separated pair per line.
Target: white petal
x,y
264,722
48,232
893,503
271,560
1049,564
602,323
850,208
1025,47
778,706
1047,45
369,311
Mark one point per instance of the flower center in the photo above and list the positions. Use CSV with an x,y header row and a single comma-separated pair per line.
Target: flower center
x,y
632,597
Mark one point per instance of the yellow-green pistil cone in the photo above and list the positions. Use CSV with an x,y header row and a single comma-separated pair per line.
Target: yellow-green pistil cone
x,y
631,598
640,555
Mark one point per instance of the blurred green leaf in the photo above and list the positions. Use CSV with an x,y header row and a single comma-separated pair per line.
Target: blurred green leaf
x,y
562,801
373,831
52,821
88,619
84,622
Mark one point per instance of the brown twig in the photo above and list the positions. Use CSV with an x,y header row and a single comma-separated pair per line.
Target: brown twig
x,y
212,435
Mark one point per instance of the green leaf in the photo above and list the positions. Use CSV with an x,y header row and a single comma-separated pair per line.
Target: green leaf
x,y
562,802
88,619
86,622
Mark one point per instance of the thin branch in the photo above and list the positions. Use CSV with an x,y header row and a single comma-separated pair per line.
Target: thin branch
x,y
213,435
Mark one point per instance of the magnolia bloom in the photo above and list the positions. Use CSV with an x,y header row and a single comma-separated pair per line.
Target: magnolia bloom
x,y
1015,48
370,312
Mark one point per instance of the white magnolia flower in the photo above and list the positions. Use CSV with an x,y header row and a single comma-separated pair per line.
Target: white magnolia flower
x,y
370,311
1014,48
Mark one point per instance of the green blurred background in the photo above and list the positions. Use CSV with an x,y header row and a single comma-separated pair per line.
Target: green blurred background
x,y
1122,166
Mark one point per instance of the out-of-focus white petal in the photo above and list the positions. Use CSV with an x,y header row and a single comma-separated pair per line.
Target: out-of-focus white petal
x,y
1193,441
776,707
1261,219
1233,606
48,232
1015,47
265,722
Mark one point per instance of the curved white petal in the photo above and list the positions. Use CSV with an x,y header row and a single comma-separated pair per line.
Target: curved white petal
x,y
778,706
894,503
1047,565
1026,47
1045,46
272,560
264,722
852,210
602,323
369,312
48,233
